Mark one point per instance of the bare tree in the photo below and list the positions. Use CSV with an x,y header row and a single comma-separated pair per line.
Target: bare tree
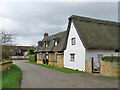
x,y
6,38
34,43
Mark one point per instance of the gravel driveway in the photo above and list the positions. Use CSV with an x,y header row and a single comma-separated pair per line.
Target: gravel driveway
x,y
34,76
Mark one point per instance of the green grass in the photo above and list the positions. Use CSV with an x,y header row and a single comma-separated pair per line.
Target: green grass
x,y
11,78
57,68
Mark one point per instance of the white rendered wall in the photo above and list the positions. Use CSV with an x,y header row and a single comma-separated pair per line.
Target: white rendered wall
x,y
94,54
78,49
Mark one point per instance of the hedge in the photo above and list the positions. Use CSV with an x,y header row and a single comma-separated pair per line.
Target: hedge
x,y
32,57
111,58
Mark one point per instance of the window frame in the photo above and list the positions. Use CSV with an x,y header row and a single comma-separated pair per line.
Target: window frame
x,y
72,57
100,56
56,43
46,56
73,41
40,56
46,45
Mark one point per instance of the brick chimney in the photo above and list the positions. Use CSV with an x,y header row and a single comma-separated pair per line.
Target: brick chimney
x,y
45,35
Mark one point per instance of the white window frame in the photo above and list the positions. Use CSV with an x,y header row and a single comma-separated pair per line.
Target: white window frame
x,y
72,57
47,56
99,57
56,43
73,41
46,45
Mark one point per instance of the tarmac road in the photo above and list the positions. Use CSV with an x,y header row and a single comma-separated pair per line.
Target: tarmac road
x,y
35,76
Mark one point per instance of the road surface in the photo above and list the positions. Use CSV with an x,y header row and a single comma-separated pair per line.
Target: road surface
x,y
35,76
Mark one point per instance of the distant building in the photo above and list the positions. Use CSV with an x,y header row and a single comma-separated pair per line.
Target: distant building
x,y
19,50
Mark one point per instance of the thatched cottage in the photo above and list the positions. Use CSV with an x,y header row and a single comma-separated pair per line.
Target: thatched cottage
x,y
89,38
51,48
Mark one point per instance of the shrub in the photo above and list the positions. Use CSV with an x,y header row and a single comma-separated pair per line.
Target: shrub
x,y
32,57
31,51
111,58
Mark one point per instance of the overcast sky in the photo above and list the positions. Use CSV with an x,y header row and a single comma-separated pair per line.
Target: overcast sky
x,y
29,20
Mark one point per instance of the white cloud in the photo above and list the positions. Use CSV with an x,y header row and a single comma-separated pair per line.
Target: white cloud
x,y
30,20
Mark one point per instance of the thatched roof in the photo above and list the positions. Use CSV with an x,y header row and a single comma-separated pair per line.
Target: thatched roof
x,y
96,34
60,38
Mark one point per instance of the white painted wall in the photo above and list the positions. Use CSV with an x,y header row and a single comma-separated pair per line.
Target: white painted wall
x,y
81,54
94,54
78,49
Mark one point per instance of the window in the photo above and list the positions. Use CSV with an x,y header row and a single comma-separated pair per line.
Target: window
x,y
116,50
72,57
56,43
46,56
59,55
99,57
11,50
39,56
73,41
46,45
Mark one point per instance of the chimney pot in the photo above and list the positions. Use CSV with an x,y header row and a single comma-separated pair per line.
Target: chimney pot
x,y
45,35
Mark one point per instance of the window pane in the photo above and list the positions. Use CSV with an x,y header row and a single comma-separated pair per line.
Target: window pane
x,y
73,41
40,56
72,57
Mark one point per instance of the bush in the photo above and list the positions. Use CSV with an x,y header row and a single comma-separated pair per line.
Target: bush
x,y
31,51
111,58
32,57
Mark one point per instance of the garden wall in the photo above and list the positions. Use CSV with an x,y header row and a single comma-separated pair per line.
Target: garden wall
x,y
107,68
6,66
110,68
88,66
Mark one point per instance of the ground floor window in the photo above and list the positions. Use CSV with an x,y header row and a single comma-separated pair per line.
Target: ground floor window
x,y
72,57
99,57
39,56
46,56
47,59
58,55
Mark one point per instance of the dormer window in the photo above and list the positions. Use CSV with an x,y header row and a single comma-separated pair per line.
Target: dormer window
x,y
56,43
46,45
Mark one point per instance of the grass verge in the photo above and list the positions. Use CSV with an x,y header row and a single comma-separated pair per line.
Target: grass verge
x,y
57,68
11,79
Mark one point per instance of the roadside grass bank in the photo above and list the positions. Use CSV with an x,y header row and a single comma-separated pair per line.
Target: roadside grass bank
x,y
65,70
11,78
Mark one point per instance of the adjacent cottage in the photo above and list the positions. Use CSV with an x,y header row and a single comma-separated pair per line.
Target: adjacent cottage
x,y
51,49
89,38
